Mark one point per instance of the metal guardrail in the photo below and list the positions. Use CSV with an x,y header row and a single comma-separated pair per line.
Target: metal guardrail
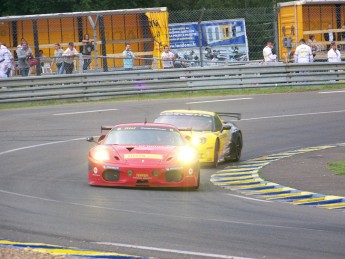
x,y
103,85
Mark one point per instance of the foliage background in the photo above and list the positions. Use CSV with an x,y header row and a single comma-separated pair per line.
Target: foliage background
x,y
26,7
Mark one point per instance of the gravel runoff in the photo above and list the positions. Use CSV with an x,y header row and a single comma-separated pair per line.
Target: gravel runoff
x,y
16,253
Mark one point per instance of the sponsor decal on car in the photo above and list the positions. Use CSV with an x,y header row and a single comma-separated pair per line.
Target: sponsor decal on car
x,y
95,171
150,156
111,167
142,176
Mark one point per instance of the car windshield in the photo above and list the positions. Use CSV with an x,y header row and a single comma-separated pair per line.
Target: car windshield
x,y
144,136
188,122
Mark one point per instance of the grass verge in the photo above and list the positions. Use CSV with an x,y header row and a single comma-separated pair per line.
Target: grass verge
x,y
337,167
245,91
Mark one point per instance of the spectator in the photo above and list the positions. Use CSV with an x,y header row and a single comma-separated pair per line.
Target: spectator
x,y
168,58
128,57
69,55
179,62
3,68
334,54
21,43
303,53
267,52
6,60
313,44
42,58
87,48
24,53
58,59
312,47
329,36
2,72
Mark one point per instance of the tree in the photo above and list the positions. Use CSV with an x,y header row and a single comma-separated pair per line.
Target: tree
x,y
26,7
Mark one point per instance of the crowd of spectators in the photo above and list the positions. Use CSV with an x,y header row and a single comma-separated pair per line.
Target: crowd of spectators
x,y
64,60
26,61
306,51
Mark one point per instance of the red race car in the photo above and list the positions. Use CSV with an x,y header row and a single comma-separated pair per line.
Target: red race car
x,y
143,155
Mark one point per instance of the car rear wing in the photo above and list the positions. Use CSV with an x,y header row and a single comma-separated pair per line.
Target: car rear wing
x,y
106,128
230,114
185,129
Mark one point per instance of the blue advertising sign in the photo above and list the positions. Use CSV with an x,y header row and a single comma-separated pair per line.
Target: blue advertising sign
x,y
221,41
183,35
228,32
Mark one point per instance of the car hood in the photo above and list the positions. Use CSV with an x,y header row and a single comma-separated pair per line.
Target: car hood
x,y
196,133
147,154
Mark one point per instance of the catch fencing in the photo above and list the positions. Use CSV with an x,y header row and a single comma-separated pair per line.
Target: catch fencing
x,y
110,30
260,23
104,85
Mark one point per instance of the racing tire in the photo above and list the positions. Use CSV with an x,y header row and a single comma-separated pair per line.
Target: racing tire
x,y
216,154
194,188
237,149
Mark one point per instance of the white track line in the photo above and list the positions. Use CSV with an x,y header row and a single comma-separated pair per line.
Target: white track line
x,y
72,113
221,100
332,92
40,145
292,115
247,198
170,250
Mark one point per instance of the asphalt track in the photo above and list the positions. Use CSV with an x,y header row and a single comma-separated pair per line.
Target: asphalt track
x,y
45,197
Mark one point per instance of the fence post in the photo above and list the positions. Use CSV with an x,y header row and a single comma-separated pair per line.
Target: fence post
x,y
275,28
36,43
199,35
94,24
103,48
154,65
80,63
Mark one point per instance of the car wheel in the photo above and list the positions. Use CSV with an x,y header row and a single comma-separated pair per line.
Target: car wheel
x,y
198,184
237,149
216,154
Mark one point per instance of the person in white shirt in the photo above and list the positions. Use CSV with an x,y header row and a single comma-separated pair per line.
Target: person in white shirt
x,y
69,55
3,68
334,54
329,36
303,53
267,52
6,60
168,58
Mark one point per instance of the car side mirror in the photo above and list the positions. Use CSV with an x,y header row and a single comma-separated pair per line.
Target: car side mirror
x,y
226,127
90,139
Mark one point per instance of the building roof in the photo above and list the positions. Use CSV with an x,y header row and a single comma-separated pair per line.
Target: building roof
x,y
311,2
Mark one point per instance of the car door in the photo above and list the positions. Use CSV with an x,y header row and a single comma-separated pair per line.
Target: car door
x,y
223,136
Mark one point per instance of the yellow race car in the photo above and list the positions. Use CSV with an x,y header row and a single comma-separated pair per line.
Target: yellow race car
x,y
216,140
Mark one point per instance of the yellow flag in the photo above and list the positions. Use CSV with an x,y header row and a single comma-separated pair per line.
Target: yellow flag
x,y
158,23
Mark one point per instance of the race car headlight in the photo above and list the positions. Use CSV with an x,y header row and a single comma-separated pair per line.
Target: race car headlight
x,y
196,141
187,155
101,155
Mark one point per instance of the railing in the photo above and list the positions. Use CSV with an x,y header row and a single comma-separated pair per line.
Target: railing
x,y
114,62
102,85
